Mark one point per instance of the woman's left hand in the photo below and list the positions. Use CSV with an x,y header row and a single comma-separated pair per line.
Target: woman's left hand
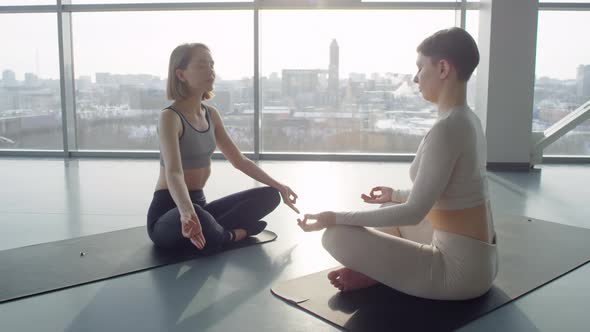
x,y
289,197
323,220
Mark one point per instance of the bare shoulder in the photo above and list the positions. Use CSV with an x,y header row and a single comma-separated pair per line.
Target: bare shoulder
x,y
169,116
215,116
169,121
213,111
167,113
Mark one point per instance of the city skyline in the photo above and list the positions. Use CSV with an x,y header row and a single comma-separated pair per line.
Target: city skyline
x,y
365,47
371,113
22,76
332,70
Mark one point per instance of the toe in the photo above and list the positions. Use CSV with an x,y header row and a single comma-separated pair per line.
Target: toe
x,y
333,275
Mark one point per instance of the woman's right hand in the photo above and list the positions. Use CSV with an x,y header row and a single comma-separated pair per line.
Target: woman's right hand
x,y
379,195
322,220
191,229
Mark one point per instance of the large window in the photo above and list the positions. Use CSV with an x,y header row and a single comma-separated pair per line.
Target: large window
x,y
150,1
30,104
340,81
26,2
409,1
562,81
331,80
121,70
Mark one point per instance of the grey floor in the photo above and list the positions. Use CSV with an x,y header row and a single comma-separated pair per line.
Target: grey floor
x,y
44,200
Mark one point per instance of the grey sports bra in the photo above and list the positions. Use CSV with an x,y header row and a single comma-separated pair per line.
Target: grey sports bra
x,y
196,147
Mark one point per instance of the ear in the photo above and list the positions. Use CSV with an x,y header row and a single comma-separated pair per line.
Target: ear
x,y
180,75
444,68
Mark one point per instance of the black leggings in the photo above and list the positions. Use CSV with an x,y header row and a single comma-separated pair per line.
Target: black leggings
x,y
238,210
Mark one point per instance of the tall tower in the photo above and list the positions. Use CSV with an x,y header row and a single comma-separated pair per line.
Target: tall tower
x,y
333,81
583,82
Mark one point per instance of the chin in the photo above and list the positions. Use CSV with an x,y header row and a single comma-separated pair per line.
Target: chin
x,y
428,99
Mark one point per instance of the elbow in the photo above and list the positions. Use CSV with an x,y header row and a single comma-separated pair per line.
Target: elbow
x,y
239,163
421,217
416,215
171,175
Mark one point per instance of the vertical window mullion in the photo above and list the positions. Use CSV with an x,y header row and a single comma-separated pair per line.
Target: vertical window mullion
x,y
257,94
66,64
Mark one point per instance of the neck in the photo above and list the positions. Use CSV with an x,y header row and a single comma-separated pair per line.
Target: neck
x,y
452,96
188,105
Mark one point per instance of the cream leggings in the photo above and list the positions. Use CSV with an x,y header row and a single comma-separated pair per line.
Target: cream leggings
x,y
422,262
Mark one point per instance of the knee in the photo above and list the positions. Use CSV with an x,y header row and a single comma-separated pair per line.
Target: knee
x,y
330,237
166,236
212,231
338,237
214,239
271,196
213,243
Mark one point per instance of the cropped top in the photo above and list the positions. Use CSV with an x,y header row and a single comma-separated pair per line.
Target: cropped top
x,y
196,147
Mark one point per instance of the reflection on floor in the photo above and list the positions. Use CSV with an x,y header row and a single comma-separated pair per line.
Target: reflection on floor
x,y
45,200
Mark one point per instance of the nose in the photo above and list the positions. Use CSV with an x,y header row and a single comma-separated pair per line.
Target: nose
x,y
416,78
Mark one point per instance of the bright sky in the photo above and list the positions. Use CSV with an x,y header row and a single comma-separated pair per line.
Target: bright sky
x,y
370,41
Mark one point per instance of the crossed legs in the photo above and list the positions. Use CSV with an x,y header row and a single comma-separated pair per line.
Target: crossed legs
x,y
363,252
227,219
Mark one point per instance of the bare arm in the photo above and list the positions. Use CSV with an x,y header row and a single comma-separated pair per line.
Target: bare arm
x,y
170,128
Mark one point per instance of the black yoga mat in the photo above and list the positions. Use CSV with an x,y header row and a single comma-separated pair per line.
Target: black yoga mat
x,y
57,265
532,253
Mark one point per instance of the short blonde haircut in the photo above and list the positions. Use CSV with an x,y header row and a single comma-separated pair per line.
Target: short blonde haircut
x,y
179,59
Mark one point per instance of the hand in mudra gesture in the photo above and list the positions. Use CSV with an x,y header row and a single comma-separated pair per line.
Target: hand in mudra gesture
x,y
191,229
322,220
379,195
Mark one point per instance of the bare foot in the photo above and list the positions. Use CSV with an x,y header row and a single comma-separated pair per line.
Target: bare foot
x,y
346,279
240,234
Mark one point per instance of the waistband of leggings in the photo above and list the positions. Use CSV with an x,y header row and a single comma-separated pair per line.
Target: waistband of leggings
x,y
452,242
198,194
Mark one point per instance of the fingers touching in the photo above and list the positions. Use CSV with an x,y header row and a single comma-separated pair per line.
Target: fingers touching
x,y
290,199
310,227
